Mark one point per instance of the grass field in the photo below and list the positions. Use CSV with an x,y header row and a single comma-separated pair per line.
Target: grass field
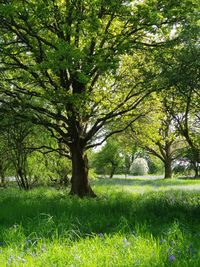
x,y
136,222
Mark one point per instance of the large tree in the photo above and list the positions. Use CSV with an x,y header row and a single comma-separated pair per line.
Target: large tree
x,y
157,135
62,59
180,76
183,80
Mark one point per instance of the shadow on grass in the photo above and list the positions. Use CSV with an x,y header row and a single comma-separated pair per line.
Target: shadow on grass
x,y
46,214
192,178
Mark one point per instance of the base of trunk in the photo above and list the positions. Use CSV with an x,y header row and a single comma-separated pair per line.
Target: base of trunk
x,y
168,176
82,192
197,175
79,182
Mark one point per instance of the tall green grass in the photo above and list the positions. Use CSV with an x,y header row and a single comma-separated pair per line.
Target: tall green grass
x,y
131,223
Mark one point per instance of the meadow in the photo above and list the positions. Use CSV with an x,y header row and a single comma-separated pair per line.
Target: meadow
x,y
133,222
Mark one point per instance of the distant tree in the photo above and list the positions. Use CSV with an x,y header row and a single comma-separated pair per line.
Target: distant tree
x,y
182,79
183,165
17,135
19,141
129,150
156,134
109,158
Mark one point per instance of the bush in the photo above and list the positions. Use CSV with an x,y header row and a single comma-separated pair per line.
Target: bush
x,y
139,167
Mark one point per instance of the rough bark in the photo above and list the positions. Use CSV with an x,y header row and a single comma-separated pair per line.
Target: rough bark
x,y
79,182
168,169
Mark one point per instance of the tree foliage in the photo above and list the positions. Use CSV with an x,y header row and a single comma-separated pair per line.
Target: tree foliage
x,y
109,158
65,62
182,79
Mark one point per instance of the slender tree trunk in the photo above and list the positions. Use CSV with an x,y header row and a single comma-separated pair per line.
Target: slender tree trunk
x,y
196,173
195,161
112,171
21,174
168,169
79,182
196,170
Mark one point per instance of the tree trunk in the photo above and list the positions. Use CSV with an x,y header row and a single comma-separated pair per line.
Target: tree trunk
x,y
22,178
196,173
196,170
2,180
168,169
79,182
195,161
2,176
112,171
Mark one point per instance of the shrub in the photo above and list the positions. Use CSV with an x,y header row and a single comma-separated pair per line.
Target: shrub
x,y
139,167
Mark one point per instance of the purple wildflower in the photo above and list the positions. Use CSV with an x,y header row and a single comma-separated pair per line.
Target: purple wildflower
x,y
100,235
171,257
